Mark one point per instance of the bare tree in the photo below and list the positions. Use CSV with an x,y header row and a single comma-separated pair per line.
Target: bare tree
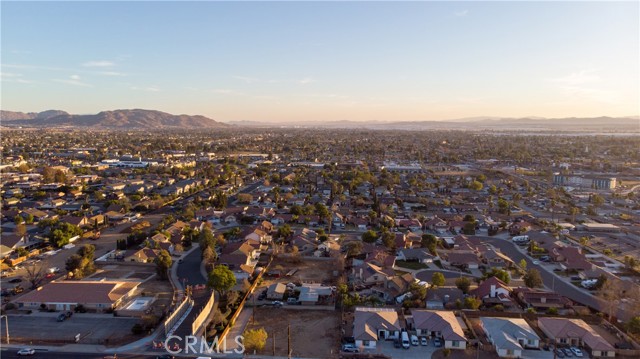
x,y
35,274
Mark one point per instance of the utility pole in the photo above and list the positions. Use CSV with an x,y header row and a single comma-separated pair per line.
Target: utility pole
x,y
274,343
289,341
6,325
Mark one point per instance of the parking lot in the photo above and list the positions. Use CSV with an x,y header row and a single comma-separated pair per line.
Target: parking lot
x,y
43,328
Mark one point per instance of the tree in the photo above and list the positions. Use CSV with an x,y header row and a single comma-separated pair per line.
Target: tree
x,y
437,279
418,292
633,326
206,239
255,339
354,248
369,236
209,256
532,278
430,242
463,283
475,185
472,303
245,198
523,264
221,279
597,200
284,232
500,274
163,263
35,274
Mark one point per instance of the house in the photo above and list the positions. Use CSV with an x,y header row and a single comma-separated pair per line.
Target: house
x,y
327,249
255,234
420,255
144,255
576,332
373,324
495,259
463,259
100,295
510,336
439,324
494,291
443,297
369,273
12,241
312,294
76,221
276,291
394,287
540,300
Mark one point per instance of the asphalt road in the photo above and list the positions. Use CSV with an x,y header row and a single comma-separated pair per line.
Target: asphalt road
x,y
551,281
10,353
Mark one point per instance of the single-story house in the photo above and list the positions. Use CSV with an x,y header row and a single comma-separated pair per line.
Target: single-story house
x,y
577,333
373,324
439,324
100,295
510,336
276,291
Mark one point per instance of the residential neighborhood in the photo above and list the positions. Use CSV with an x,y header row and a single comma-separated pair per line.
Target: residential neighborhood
x,y
449,248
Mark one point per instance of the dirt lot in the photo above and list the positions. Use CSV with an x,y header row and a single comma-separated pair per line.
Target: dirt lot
x,y
308,271
314,334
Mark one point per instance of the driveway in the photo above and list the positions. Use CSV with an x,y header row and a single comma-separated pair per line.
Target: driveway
x,y
414,352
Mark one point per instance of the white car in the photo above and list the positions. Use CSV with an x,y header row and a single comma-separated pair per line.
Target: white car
x,y
577,352
26,351
423,341
536,262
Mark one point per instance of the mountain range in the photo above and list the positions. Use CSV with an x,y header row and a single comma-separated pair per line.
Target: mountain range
x,y
138,119
135,119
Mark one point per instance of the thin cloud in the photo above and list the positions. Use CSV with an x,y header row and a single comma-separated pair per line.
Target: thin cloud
x,y
14,77
227,92
306,80
101,63
73,80
461,13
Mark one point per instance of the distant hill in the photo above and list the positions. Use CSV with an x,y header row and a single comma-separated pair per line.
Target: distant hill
x,y
119,119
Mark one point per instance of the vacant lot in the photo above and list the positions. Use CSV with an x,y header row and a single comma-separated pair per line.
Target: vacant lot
x,y
314,334
306,270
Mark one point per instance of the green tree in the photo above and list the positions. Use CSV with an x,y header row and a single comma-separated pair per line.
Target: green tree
x,y
369,236
284,232
163,263
633,325
354,248
255,339
532,278
221,279
500,274
472,303
418,292
206,239
437,279
523,264
430,242
475,185
463,283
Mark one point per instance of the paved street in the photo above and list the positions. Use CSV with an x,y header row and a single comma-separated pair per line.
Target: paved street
x,y
552,281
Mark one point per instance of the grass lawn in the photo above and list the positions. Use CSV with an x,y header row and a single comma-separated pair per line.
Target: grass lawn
x,y
411,265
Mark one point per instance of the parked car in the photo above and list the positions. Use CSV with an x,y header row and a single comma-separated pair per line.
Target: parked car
x,y
26,351
61,317
414,340
277,303
567,352
577,352
292,300
424,341
15,280
17,289
166,356
559,353
437,342
397,344
350,348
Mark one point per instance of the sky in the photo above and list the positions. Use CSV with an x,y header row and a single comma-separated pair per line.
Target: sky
x,y
323,61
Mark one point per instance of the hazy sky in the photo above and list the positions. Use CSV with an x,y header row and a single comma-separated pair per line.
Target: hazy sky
x,y
315,61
